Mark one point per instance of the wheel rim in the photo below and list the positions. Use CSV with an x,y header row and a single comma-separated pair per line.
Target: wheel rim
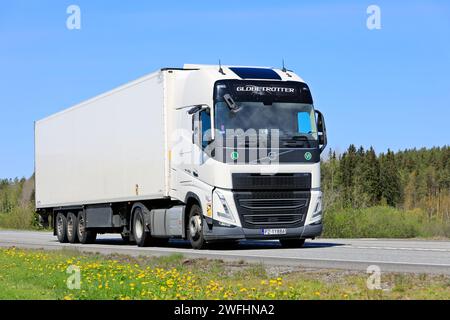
x,y
138,227
69,226
195,227
60,225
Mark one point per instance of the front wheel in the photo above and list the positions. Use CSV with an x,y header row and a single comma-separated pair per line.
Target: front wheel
x,y
292,243
195,228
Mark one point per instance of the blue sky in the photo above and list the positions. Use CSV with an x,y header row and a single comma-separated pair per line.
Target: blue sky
x,y
387,88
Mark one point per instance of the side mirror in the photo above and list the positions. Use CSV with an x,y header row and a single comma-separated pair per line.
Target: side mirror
x,y
321,140
321,130
195,109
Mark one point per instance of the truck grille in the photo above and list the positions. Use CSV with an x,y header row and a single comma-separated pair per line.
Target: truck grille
x,y
281,181
272,209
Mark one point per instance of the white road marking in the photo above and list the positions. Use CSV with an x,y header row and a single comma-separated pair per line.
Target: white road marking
x,y
395,248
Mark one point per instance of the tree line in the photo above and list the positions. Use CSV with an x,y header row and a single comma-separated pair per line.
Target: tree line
x,y
408,179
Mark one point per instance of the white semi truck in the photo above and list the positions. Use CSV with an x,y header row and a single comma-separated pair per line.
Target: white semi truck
x,y
205,153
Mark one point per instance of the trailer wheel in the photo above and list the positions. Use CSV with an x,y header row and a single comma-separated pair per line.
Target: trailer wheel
x,y
72,227
141,237
195,228
61,227
292,243
85,236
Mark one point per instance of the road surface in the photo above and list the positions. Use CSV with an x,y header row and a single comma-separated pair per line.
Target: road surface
x,y
418,256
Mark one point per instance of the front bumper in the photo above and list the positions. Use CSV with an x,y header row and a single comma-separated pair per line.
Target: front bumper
x,y
213,231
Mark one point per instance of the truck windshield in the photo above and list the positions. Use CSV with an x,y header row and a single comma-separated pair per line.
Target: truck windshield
x,y
293,120
262,106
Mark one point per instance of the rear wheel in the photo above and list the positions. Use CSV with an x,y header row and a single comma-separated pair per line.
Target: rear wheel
x,y
72,226
61,227
85,236
141,236
292,243
195,228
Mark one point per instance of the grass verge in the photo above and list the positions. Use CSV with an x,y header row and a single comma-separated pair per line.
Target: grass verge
x,y
31,274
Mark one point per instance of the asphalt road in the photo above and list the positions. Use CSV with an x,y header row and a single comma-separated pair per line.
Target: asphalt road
x,y
418,256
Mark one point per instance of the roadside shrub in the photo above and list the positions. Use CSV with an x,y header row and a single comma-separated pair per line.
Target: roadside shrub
x,y
379,222
20,217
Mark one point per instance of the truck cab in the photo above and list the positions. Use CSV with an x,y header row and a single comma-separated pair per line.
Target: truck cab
x,y
245,154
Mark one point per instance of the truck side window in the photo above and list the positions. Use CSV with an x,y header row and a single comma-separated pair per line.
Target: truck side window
x,y
196,129
205,119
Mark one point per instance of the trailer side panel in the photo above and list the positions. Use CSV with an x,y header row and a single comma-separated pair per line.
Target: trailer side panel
x,y
108,149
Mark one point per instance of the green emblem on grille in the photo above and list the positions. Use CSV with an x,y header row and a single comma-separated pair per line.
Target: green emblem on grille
x,y
308,156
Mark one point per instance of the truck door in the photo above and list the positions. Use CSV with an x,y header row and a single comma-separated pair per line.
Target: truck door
x,y
201,128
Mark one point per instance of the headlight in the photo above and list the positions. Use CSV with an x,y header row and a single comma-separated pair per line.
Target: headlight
x,y
318,208
226,208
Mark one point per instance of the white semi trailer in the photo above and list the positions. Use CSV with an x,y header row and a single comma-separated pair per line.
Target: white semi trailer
x,y
204,153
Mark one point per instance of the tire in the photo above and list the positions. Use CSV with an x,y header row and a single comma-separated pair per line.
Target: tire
x,y
292,243
85,236
61,227
72,228
141,236
195,228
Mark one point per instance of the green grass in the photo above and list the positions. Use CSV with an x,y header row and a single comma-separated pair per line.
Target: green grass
x,y
20,218
31,274
382,222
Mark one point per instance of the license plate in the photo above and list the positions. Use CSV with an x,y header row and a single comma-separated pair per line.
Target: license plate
x,y
273,232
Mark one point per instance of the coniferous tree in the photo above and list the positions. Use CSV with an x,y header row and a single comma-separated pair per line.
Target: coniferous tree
x,y
347,171
389,179
372,177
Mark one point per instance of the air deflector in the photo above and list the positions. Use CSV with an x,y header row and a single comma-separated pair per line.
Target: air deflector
x,y
256,73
